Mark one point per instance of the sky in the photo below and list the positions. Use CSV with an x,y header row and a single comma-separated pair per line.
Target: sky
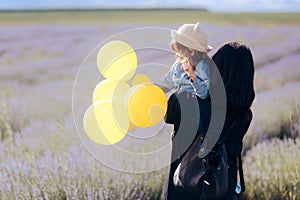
x,y
213,5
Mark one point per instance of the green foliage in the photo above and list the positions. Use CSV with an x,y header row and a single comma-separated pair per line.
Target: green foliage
x,y
272,170
144,16
8,124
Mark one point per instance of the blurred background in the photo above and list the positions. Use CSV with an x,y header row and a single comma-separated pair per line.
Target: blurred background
x,y
44,43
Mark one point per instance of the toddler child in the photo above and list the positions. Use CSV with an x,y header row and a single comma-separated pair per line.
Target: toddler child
x,y
190,72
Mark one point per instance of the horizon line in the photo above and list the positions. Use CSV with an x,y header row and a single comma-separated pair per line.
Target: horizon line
x,y
137,9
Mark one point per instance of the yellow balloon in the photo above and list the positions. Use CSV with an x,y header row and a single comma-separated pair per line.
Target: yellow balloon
x,y
110,89
140,79
117,60
106,122
131,126
146,105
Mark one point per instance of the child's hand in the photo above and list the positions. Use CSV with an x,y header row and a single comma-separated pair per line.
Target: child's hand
x,y
189,70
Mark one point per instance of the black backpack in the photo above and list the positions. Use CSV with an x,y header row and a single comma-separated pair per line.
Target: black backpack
x,y
197,176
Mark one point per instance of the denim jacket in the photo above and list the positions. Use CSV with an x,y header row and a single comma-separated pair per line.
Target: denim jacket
x,y
176,79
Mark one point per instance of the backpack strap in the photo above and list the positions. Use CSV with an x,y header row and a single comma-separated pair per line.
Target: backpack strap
x,y
239,158
241,173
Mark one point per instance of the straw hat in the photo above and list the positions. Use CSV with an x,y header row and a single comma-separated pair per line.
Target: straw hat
x,y
192,36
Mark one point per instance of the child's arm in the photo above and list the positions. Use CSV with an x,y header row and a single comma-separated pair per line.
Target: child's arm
x,y
202,80
166,82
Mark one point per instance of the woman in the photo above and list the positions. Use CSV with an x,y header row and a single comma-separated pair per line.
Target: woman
x,y
235,64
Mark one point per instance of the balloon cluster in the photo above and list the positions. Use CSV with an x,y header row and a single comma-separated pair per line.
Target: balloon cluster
x,y
117,105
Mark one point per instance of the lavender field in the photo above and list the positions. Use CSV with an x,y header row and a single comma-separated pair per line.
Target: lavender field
x,y
41,154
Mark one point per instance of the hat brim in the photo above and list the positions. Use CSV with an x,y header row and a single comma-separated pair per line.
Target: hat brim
x,y
189,42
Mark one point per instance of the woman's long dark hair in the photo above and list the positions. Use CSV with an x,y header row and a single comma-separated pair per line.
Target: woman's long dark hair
x,y
235,63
